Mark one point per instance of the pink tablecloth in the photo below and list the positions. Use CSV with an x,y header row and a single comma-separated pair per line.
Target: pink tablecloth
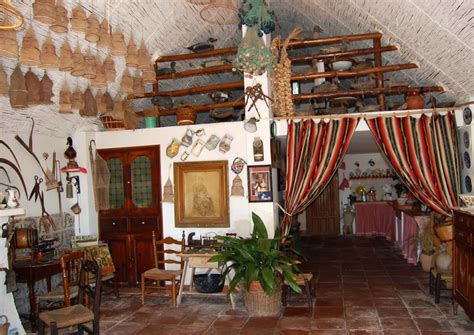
x,y
375,218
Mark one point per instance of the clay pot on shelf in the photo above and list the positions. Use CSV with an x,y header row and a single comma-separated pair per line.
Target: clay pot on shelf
x,y
185,115
415,99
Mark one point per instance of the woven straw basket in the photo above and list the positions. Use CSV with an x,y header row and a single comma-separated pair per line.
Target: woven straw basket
x,y
44,11
132,54
109,66
185,115
104,35
66,59
126,85
77,99
33,86
260,304
101,104
118,47
79,19
100,81
78,61
65,102
109,102
93,29
4,87
9,45
445,233
61,22
18,93
89,65
48,57
138,89
90,105
149,75
29,53
46,90
143,57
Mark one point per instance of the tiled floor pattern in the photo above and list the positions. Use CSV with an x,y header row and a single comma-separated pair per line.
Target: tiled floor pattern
x,y
364,287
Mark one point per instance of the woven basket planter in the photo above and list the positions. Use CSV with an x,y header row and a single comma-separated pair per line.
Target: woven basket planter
x,y
131,59
4,87
126,84
109,65
65,100
78,61
118,47
138,89
61,22
260,304
46,90
29,53
48,57
143,57
77,99
44,11
444,233
78,19
104,35
93,29
9,45
89,65
18,93
66,58
185,115
33,86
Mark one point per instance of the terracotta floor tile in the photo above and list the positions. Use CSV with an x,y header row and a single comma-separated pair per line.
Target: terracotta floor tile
x,y
433,324
414,303
389,302
328,312
400,332
303,323
363,324
167,319
260,331
222,331
386,312
197,320
334,302
425,312
398,323
188,330
292,332
355,312
327,332
328,324
264,322
298,311
365,332
230,321
358,302
126,328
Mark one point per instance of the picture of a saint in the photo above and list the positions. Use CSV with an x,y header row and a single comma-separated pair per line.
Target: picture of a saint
x,y
200,195
202,201
260,184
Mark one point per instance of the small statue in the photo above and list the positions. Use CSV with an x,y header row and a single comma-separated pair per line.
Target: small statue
x,y
71,154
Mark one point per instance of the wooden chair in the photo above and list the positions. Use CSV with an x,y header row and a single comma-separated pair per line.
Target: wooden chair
x,y
78,314
62,295
440,281
159,273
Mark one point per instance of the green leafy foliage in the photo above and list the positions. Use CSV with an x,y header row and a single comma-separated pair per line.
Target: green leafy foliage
x,y
257,258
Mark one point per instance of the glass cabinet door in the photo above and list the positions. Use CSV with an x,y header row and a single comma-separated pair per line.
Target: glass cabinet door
x,y
141,178
116,184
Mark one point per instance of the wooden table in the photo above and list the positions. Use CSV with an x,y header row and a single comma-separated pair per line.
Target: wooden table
x,y
30,272
193,261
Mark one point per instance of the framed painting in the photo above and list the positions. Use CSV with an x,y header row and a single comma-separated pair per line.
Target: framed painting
x,y
260,183
201,194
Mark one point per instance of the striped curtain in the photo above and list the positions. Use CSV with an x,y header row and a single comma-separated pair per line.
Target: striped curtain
x,y
424,153
315,151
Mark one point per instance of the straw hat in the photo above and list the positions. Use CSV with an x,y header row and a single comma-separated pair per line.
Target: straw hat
x,y
61,21
143,57
78,62
90,105
77,99
89,65
104,35
9,45
138,89
101,105
109,102
118,111
44,11
132,55
109,66
65,99
149,75
126,84
100,81
118,47
93,29
29,53
79,19
4,87
46,90
18,93
66,59
33,86
48,58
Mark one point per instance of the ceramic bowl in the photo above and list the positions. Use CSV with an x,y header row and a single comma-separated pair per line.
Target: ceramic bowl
x,y
2,206
467,199
341,65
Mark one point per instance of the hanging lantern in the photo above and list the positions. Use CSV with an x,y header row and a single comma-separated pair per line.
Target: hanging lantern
x,y
138,89
61,21
93,29
33,87
99,81
143,57
89,65
104,35
132,54
79,19
4,87
109,66
126,85
78,61
48,58
118,111
66,58
101,105
44,11
109,102
149,75
46,90
118,43
18,93
77,99
90,105
29,53
65,99
9,45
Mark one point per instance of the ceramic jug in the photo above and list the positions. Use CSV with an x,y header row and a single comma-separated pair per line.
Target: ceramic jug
x,y
415,100
12,201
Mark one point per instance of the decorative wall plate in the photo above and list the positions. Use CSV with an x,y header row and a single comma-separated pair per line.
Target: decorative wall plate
x,y
212,142
465,137
468,184
467,116
467,160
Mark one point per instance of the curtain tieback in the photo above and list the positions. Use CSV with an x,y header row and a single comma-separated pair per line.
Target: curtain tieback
x,y
284,211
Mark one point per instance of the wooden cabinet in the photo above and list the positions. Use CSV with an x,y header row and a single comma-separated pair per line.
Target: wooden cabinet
x,y
463,261
135,209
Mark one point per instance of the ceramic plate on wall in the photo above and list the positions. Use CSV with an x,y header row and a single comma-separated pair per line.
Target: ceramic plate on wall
x,y
467,115
465,139
467,160
468,184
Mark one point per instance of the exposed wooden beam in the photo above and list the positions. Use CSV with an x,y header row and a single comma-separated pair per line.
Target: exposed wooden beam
x,y
196,72
198,55
377,43
333,40
346,53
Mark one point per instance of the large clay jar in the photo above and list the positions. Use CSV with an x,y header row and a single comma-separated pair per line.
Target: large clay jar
x,y
426,262
444,260
414,99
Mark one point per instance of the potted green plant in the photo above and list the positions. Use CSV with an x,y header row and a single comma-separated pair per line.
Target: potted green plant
x,y
259,266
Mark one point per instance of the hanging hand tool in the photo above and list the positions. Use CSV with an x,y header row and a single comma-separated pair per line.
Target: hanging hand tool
x,y
29,147
36,189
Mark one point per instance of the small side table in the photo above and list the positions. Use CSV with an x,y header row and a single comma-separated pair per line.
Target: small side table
x,y
193,261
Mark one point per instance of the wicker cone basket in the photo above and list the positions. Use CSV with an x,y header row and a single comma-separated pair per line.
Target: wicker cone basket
x,y
78,61
100,81
48,57
118,110
126,84
90,105
109,65
89,65
138,89
149,76
33,86
185,115
29,53
109,102
143,57
65,100
44,11
4,87
46,90
9,45
18,93
93,29
61,21
66,58
118,47
101,103
77,99
104,35
131,59
260,304
79,19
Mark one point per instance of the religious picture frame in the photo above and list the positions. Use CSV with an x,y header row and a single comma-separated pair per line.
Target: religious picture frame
x,y
260,183
201,194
